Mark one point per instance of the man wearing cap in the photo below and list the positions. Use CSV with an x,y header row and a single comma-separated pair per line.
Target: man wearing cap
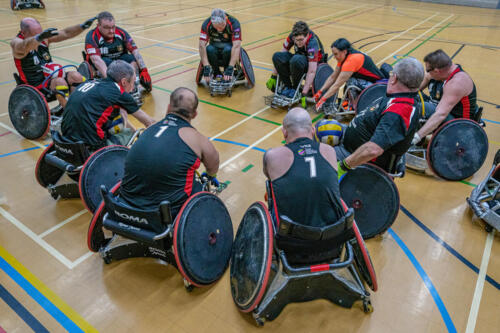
x,y
220,44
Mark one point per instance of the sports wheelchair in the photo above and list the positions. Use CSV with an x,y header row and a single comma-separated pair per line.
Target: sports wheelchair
x,y
87,69
26,4
485,198
29,110
243,75
197,241
70,170
349,103
331,262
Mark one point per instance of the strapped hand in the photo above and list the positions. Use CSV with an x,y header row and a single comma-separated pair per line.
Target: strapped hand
x,y
342,169
47,33
145,79
317,96
88,23
228,73
416,139
207,71
271,83
212,179
320,103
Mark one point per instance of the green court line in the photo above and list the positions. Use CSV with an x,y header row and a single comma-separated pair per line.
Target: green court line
x,y
258,40
166,70
67,60
248,167
467,183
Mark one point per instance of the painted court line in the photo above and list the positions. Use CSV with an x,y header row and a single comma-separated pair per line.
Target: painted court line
x,y
57,226
478,292
14,131
239,123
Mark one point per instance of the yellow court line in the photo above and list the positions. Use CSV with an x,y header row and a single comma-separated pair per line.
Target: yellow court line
x,y
49,294
495,142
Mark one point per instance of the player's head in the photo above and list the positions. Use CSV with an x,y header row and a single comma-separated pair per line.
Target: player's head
x,y
122,73
30,27
106,25
437,64
184,102
297,123
300,31
218,19
407,75
340,49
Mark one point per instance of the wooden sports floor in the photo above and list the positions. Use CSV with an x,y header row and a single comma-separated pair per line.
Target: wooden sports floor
x,y
437,269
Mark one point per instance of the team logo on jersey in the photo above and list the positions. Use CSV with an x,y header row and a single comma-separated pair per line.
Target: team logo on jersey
x,y
301,151
46,56
237,34
225,35
438,94
91,51
203,35
119,48
311,53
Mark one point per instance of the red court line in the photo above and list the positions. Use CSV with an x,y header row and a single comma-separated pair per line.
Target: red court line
x,y
3,134
167,77
319,26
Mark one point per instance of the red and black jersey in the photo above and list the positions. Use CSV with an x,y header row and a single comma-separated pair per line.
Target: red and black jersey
x,y
30,68
160,166
231,32
312,49
390,122
95,44
91,109
361,65
467,105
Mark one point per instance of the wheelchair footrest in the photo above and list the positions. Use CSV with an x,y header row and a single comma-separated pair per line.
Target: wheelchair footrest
x,y
416,163
66,191
119,248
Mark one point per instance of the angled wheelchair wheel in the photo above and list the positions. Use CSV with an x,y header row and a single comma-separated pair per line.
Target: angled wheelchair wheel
x,y
13,4
199,74
85,70
95,234
373,195
363,260
29,112
202,239
246,66
457,149
371,96
322,74
106,167
45,173
251,258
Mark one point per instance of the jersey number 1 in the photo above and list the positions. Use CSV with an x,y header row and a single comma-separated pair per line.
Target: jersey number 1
x,y
312,166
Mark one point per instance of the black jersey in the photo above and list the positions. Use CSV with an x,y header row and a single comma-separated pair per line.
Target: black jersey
x,y
390,123
95,44
312,49
30,67
231,32
91,109
305,192
466,107
160,166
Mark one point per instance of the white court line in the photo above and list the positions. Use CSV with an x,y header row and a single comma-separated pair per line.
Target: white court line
x,y
402,33
57,226
478,292
81,259
3,114
174,61
413,40
14,131
46,246
253,115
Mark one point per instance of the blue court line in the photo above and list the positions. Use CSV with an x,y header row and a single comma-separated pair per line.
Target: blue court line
x,y
45,303
240,144
19,151
6,82
448,247
21,311
491,121
427,281
264,68
175,48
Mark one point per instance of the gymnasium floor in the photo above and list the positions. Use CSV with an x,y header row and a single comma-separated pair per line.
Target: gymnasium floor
x,y
437,269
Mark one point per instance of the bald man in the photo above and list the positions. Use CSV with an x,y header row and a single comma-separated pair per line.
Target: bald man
x,y
30,49
303,174
161,165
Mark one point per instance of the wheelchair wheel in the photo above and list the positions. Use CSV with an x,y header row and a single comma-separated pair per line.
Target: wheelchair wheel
x,y
457,149
45,173
202,239
104,167
363,260
246,66
322,74
199,74
13,4
29,112
373,195
85,70
370,96
95,235
251,258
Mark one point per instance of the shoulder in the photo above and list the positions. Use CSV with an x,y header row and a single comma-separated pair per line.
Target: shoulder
x,y
275,154
205,23
91,34
459,82
328,152
233,20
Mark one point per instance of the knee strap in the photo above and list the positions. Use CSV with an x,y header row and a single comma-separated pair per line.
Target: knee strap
x,y
63,90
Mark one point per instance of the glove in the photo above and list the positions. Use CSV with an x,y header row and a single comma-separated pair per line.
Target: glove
x,y
228,73
317,96
271,83
212,179
416,139
207,70
88,23
320,103
342,169
47,33
145,79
